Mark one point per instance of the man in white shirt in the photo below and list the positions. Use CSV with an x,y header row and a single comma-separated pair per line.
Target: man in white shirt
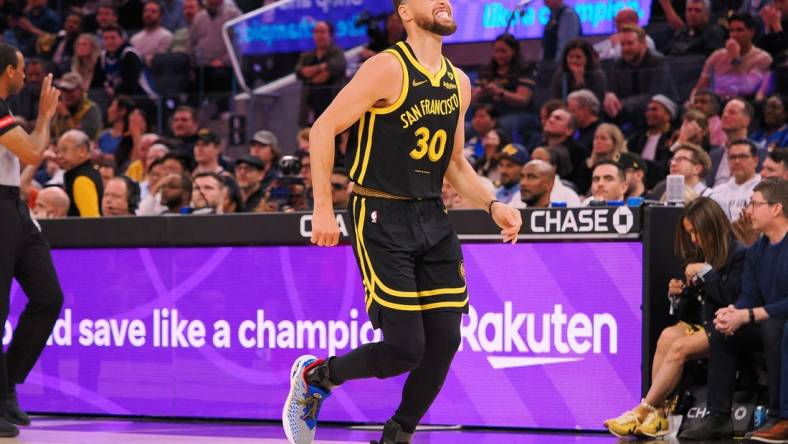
x,y
560,192
734,195
536,185
154,38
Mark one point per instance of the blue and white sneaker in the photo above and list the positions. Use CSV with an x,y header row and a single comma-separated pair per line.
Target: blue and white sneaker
x,y
299,415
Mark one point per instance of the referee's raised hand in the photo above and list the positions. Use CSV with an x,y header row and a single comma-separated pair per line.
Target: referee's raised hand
x,y
50,97
325,231
509,219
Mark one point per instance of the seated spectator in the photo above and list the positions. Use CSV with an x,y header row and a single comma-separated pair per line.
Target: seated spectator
x,y
184,125
637,77
249,172
692,162
86,55
562,190
156,152
107,168
740,68
558,130
776,164
233,201
206,153
150,205
579,70
340,189
584,108
37,20
537,179
175,163
121,197
699,35
713,263
106,17
610,48
483,120
487,165
82,182
51,203
154,38
133,146
392,33
510,162
265,146
75,110
694,129
562,27
121,70
653,145
774,39
176,193
636,172
734,195
507,83
322,72
608,183
180,35
209,193
118,114
757,319
736,119
608,144
708,103
774,130
59,47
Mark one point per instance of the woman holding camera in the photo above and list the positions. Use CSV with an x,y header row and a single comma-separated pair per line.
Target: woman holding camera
x,y
713,261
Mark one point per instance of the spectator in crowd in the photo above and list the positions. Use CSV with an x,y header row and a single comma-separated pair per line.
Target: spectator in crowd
x,y
758,317
118,115
610,48
699,35
59,48
106,167
392,33
25,103
507,83
653,145
608,183
322,72
493,143
175,163
712,261
708,103
510,163
736,118
535,139
150,205
584,108
233,202
249,172
184,126
121,197
206,153
120,69
82,182
694,129
562,27
774,130
75,110
340,189
36,21
484,119
208,50
86,55
734,195
155,152
265,146
739,68
51,203
154,38
692,162
776,164
448,194
562,191
172,15
131,148
209,193
637,77
537,178
106,17
180,35
579,70
774,39
302,140
636,172
558,130
176,193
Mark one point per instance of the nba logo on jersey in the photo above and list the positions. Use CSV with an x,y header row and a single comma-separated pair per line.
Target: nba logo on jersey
x,y
373,217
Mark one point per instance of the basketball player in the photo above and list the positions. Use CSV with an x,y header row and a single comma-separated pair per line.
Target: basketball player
x,y
407,107
24,254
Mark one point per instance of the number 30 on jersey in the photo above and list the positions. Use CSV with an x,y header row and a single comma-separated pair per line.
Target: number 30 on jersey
x,y
430,145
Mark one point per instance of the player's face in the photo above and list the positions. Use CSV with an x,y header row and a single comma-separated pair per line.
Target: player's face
x,y
435,16
16,78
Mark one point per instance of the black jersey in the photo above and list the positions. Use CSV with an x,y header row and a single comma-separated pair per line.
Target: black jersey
x,y
404,149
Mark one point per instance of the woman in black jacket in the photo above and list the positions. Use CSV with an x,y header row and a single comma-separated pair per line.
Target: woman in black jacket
x,y
713,261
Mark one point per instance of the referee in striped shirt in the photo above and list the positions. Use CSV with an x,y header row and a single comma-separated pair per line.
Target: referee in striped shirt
x,y
24,254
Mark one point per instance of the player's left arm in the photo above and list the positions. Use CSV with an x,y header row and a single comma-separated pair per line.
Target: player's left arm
x,y
463,178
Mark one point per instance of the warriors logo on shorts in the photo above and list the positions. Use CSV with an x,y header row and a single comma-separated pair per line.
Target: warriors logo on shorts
x,y
461,269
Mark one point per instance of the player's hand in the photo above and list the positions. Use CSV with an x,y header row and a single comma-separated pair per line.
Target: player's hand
x,y
509,219
325,231
50,97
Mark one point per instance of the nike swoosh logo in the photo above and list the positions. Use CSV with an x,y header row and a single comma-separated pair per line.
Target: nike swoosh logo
x,y
415,83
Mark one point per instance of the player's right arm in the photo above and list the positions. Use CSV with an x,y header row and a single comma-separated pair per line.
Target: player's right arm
x,y
378,81
29,148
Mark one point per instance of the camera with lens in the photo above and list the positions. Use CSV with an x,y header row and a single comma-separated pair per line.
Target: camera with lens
x,y
375,31
288,190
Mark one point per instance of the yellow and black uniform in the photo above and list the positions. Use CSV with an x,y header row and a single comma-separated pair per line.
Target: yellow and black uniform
x,y
84,187
408,253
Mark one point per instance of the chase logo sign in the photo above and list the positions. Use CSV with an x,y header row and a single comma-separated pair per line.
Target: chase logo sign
x,y
601,220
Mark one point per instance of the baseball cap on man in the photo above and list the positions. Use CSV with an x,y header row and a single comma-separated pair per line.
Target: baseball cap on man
x,y
70,81
208,136
264,137
515,153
